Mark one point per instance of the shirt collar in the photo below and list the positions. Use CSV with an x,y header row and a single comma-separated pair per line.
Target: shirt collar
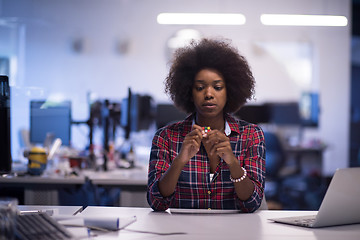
x,y
227,128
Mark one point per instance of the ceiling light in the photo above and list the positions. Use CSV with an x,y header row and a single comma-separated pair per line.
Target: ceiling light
x,y
303,20
201,18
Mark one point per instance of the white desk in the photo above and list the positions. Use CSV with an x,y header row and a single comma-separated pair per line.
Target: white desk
x,y
254,226
226,226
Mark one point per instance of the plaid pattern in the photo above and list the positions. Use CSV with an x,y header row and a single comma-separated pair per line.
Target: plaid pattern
x,y
194,188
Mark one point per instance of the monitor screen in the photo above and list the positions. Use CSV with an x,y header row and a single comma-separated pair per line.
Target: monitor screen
x,y
309,109
137,113
125,116
50,118
302,113
254,113
143,112
286,113
167,114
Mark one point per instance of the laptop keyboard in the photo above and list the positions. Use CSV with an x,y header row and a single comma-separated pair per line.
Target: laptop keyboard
x,y
305,221
39,226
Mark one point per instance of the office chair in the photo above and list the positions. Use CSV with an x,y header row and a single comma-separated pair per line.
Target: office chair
x,y
263,205
275,160
284,187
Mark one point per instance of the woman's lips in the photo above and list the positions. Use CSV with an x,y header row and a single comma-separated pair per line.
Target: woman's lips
x,y
209,106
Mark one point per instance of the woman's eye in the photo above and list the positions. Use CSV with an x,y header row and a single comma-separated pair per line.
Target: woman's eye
x,y
218,88
199,88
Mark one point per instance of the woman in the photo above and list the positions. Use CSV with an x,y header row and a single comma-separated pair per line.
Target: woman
x,y
220,168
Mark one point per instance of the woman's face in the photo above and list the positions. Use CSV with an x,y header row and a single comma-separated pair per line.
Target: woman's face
x,y
209,93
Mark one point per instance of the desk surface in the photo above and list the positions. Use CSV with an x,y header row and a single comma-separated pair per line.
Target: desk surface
x,y
224,226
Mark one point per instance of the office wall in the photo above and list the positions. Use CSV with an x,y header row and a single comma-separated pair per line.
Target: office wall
x,y
71,47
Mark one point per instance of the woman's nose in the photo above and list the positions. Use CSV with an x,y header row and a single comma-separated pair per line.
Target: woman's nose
x,y
209,93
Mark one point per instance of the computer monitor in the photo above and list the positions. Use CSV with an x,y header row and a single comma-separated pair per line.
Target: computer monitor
x,y
254,113
168,113
309,109
137,113
125,120
50,118
286,113
303,113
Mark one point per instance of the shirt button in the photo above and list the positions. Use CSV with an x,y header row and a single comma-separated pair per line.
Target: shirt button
x,y
209,192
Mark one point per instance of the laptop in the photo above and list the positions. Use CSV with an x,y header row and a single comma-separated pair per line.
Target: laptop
x,y
340,206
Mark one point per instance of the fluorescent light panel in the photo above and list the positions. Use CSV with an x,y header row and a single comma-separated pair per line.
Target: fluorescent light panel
x,y
303,20
201,18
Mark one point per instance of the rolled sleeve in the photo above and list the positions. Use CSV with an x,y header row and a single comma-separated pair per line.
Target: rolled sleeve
x,y
254,163
159,163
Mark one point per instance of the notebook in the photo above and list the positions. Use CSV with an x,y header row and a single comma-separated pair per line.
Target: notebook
x,y
340,206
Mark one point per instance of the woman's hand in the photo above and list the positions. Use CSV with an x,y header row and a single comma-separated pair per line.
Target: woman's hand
x,y
189,148
220,145
191,144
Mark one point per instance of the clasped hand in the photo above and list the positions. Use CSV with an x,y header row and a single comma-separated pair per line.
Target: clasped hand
x,y
218,142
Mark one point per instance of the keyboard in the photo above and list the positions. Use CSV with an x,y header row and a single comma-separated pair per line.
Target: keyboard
x,y
39,226
305,221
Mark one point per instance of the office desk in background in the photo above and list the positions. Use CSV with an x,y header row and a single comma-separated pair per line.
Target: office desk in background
x,y
164,225
39,190
43,190
299,183
132,182
301,154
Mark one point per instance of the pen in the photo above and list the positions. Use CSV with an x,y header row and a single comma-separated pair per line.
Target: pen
x,y
50,212
29,212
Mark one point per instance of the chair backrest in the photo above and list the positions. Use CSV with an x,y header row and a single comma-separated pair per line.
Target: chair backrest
x,y
275,156
263,205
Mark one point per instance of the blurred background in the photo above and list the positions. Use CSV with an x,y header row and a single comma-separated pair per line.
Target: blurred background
x,y
98,65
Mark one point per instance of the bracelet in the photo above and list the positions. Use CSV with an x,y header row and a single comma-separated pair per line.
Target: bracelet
x,y
234,180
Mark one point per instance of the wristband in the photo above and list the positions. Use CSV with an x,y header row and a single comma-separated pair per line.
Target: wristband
x,y
234,180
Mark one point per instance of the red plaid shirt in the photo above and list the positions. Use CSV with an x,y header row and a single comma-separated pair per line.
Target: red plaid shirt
x,y
194,188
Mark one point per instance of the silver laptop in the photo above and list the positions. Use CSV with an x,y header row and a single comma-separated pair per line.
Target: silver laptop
x,y
340,206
